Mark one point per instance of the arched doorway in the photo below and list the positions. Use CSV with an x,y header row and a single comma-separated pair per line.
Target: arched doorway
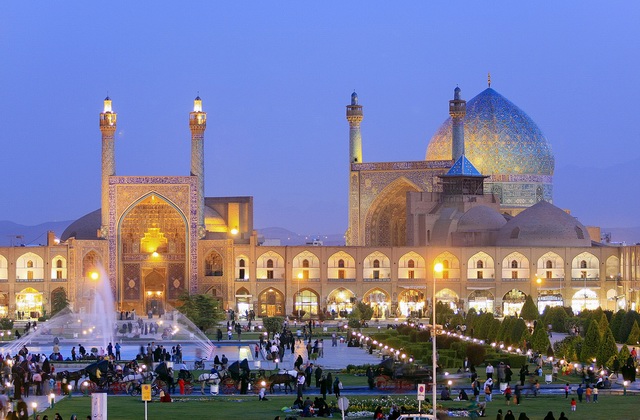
x,y
449,297
271,303
512,302
4,305
411,303
340,302
379,301
305,303
549,298
29,302
585,299
482,301
154,292
243,302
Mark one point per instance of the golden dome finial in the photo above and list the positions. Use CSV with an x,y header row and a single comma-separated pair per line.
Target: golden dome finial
x,y
489,78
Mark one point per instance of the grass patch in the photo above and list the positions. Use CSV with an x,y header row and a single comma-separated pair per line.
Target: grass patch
x,y
248,406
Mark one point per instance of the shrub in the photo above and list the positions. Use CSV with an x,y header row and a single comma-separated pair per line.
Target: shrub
x,y
529,310
6,324
591,345
476,353
634,335
556,317
273,324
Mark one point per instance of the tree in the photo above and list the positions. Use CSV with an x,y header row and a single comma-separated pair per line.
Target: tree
x,y
591,345
634,335
556,317
202,310
272,324
361,312
505,327
517,328
493,330
529,311
482,325
568,348
476,353
540,339
627,325
616,322
624,354
59,300
608,347
603,325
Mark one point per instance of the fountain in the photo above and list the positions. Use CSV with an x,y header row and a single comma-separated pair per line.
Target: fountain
x,y
94,329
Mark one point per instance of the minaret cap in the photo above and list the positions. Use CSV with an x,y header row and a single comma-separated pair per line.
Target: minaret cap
x,y
107,105
197,104
354,98
456,93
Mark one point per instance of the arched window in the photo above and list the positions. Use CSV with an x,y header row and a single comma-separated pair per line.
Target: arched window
x,y
514,264
583,264
579,233
549,264
213,265
515,233
480,264
59,264
305,263
29,264
445,264
376,263
269,263
340,263
241,263
411,264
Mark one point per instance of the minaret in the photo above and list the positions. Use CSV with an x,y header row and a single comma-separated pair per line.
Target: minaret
x,y
197,124
457,110
354,116
108,120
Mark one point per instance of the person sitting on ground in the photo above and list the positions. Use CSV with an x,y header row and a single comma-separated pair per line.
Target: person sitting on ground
x,y
523,416
509,415
549,416
462,395
165,397
445,395
562,416
262,395
298,403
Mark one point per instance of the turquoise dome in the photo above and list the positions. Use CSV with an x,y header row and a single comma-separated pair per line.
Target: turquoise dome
x,y
500,139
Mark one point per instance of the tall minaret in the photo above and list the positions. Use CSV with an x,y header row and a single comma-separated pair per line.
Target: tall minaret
x,y
108,120
197,124
457,110
354,116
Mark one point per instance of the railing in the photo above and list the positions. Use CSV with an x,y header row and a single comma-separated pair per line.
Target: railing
x,y
415,279
57,280
242,279
509,279
585,279
29,280
476,279
382,279
271,280
4,280
341,280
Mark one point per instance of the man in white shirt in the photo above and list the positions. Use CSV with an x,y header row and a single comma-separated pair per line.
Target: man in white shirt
x,y
489,371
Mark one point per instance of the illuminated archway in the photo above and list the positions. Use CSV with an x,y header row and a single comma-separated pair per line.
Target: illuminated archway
x,y
29,302
243,302
449,297
482,301
411,303
340,302
271,303
306,300
585,299
380,302
512,302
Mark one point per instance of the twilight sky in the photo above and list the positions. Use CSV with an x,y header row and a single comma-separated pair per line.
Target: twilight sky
x,y
275,78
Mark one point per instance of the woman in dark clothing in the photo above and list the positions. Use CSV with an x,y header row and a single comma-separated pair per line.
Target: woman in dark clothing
x,y
323,387
329,383
523,416
337,385
509,415
298,362
562,416
549,416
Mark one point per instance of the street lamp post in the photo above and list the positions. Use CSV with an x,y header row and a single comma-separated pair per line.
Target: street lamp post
x,y
437,268
298,296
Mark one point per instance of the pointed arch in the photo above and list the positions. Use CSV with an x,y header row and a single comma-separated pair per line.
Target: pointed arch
x,y
59,268
306,303
270,265
305,265
585,299
515,266
242,268
550,266
341,265
386,219
411,266
213,264
4,268
376,266
450,265
411,303
585,266
379,300
340,302
29,267
612,267
271,302
481,266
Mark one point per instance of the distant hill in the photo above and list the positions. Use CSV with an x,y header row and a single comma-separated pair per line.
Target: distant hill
x,y
13,234
287,237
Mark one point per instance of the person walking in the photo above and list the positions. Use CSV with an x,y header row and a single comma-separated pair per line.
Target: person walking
x,y
579,392
488,389
567,390
595,394
301,381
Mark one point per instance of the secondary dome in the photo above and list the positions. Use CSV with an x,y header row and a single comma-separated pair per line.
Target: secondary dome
x,y
500,138
543,225
84,228
480,218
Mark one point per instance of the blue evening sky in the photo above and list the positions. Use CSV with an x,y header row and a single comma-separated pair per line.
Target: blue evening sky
x,y
275,78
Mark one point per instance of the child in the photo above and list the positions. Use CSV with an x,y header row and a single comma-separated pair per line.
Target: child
x,y
595,394
567,389
574,404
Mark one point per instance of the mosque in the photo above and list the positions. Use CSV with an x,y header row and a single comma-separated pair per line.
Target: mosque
x,y
480,204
